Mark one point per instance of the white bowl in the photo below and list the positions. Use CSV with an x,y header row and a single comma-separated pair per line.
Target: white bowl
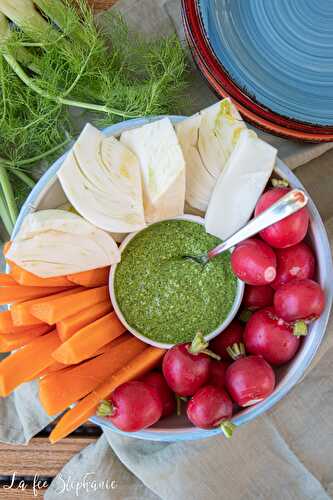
x,y
49,194
232,313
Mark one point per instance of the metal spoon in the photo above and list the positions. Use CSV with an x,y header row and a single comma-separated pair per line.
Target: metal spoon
x,y
285,206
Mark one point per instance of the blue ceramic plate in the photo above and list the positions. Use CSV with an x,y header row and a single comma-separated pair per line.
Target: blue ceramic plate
x,y
278,52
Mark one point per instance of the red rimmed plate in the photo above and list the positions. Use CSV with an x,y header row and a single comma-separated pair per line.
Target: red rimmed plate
x,y
220,81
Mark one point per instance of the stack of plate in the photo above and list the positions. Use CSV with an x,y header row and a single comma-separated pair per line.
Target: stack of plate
x,y
273,58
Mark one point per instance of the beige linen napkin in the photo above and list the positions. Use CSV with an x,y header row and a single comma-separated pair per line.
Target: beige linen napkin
x,y
286,454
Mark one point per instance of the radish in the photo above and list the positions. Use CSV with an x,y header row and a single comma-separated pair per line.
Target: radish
x,y
132,406
288,231
270,337
217,373
299,300
186,366
254,262
249,379
256,297
156,380
233,334
294,262
211,407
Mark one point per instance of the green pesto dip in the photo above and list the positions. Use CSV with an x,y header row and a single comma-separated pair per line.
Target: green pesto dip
x,y
165,297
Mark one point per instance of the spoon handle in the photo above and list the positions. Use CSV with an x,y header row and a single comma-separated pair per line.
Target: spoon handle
x,y
285,206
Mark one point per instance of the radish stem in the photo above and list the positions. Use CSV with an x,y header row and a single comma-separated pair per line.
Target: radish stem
x,y
199,345
178,406
245,315
300,328
227,428
236,351
280,183
105,409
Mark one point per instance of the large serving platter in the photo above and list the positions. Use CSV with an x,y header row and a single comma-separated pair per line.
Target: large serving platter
x,y
48,194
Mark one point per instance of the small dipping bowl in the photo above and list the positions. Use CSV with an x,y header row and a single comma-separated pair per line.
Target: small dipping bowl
x,y
232,313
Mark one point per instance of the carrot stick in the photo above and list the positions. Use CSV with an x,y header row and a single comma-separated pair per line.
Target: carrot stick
x,y
21,314
11,294
84,343
26,278
55,367
92,278
76,416
53,311
7,280
15,340
24,330
68,326
27,362
7,326
6,247
60,366
60,389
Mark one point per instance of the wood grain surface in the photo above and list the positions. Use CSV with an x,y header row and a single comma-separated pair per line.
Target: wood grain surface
x,y
39,457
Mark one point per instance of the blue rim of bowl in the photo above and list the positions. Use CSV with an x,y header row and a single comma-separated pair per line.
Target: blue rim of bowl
x,y
294,374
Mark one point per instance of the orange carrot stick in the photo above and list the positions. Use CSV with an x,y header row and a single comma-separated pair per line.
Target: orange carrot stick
x,y
60,389
92,278
21,314
7,326
55,367
76,416
11,294
26,278
86,342
24,330
68,326
27,362
7,280
53,311
6,247
15,340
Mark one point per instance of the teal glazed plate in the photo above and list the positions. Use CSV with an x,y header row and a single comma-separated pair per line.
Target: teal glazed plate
x,y
278,52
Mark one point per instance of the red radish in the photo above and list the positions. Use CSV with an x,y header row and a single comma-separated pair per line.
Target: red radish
x,y
288,231
249,380
299,300
294,262
256,297
217,373
186,366
270,337
132,406
233,334
156,380
211,407
254,262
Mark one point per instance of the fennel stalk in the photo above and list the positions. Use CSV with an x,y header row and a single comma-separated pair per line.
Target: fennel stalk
x,y
57,59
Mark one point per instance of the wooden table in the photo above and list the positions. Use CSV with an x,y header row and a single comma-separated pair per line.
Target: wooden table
x,y
22,467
